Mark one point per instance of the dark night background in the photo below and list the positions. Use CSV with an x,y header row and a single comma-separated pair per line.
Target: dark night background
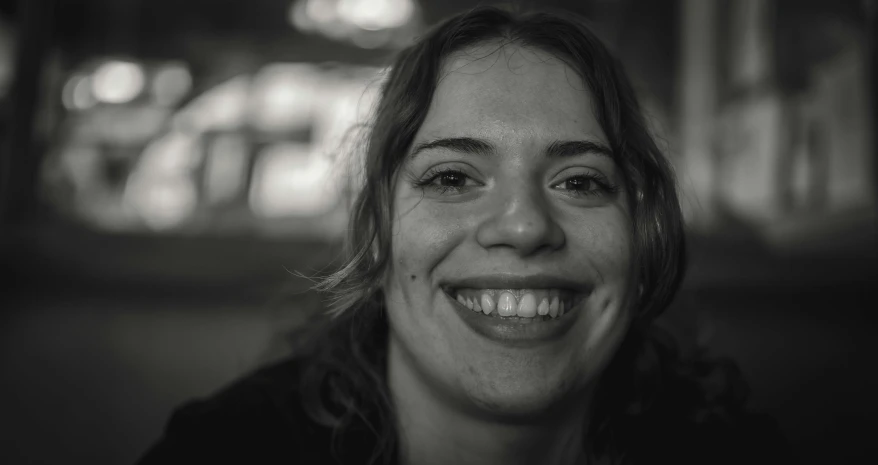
x,y
158,188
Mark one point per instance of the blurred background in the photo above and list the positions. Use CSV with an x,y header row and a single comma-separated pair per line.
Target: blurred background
x,y
167,165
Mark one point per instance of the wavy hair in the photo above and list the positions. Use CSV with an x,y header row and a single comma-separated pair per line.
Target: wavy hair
x,y
344,382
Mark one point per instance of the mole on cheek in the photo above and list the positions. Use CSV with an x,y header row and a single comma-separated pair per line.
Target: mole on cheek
x,y
414,277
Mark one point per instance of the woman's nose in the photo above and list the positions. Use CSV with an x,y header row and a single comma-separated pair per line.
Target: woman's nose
x,y
521,219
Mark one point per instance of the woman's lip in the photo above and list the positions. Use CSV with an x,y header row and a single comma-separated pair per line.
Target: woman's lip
x,y
510,330
513,281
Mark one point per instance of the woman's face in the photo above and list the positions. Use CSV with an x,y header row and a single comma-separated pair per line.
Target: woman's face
x,y
511,274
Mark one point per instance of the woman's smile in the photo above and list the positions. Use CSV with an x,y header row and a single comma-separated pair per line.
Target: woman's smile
x,y
516,310
518,327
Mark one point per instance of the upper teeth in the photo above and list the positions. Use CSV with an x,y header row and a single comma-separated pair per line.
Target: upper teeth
x,y
527,303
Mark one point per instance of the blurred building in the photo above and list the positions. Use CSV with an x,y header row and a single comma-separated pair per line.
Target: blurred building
x,y
232,141
181,118
776,123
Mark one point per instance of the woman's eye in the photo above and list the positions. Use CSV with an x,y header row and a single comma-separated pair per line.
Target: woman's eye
x,y
578,183
586,184
451,179
446,181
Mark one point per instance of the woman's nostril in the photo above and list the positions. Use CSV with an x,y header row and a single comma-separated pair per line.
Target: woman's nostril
x,y
525,231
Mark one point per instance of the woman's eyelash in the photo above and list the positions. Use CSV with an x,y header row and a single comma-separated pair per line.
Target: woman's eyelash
x,y
604,186
434,173
428,180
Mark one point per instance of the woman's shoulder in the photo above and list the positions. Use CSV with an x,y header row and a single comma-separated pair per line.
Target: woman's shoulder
x,y
259,418
705,417
688,408
754,438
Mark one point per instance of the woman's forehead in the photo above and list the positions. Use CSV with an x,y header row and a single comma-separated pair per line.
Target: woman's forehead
x,y
519,59
511,90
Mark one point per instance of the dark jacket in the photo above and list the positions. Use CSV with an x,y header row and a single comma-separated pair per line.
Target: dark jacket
x,y
260,419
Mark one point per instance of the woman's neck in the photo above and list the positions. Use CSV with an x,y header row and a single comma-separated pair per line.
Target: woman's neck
x,y
435,431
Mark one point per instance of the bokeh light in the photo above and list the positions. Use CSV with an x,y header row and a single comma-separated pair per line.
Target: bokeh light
x,y
118,82
163,203
365,23
225,168
171,83
290,180
161,188
283,96
77,93
373,15
223,107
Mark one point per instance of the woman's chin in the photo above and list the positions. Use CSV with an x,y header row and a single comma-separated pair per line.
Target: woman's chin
x,y
520,402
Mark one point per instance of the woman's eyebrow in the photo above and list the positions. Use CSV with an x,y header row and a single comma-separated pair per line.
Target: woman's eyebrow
x,y
456,144
557,149
569,148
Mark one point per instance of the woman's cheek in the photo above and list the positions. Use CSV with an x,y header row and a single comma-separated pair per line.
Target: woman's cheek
x,y
427,232
611,244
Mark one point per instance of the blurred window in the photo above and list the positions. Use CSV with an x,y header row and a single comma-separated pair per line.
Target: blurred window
x,y
267,151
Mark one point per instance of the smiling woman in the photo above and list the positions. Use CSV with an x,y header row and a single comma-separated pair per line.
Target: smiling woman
x,y
511,217
517,233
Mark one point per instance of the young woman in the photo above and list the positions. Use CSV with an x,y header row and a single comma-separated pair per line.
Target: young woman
x,y
516,235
